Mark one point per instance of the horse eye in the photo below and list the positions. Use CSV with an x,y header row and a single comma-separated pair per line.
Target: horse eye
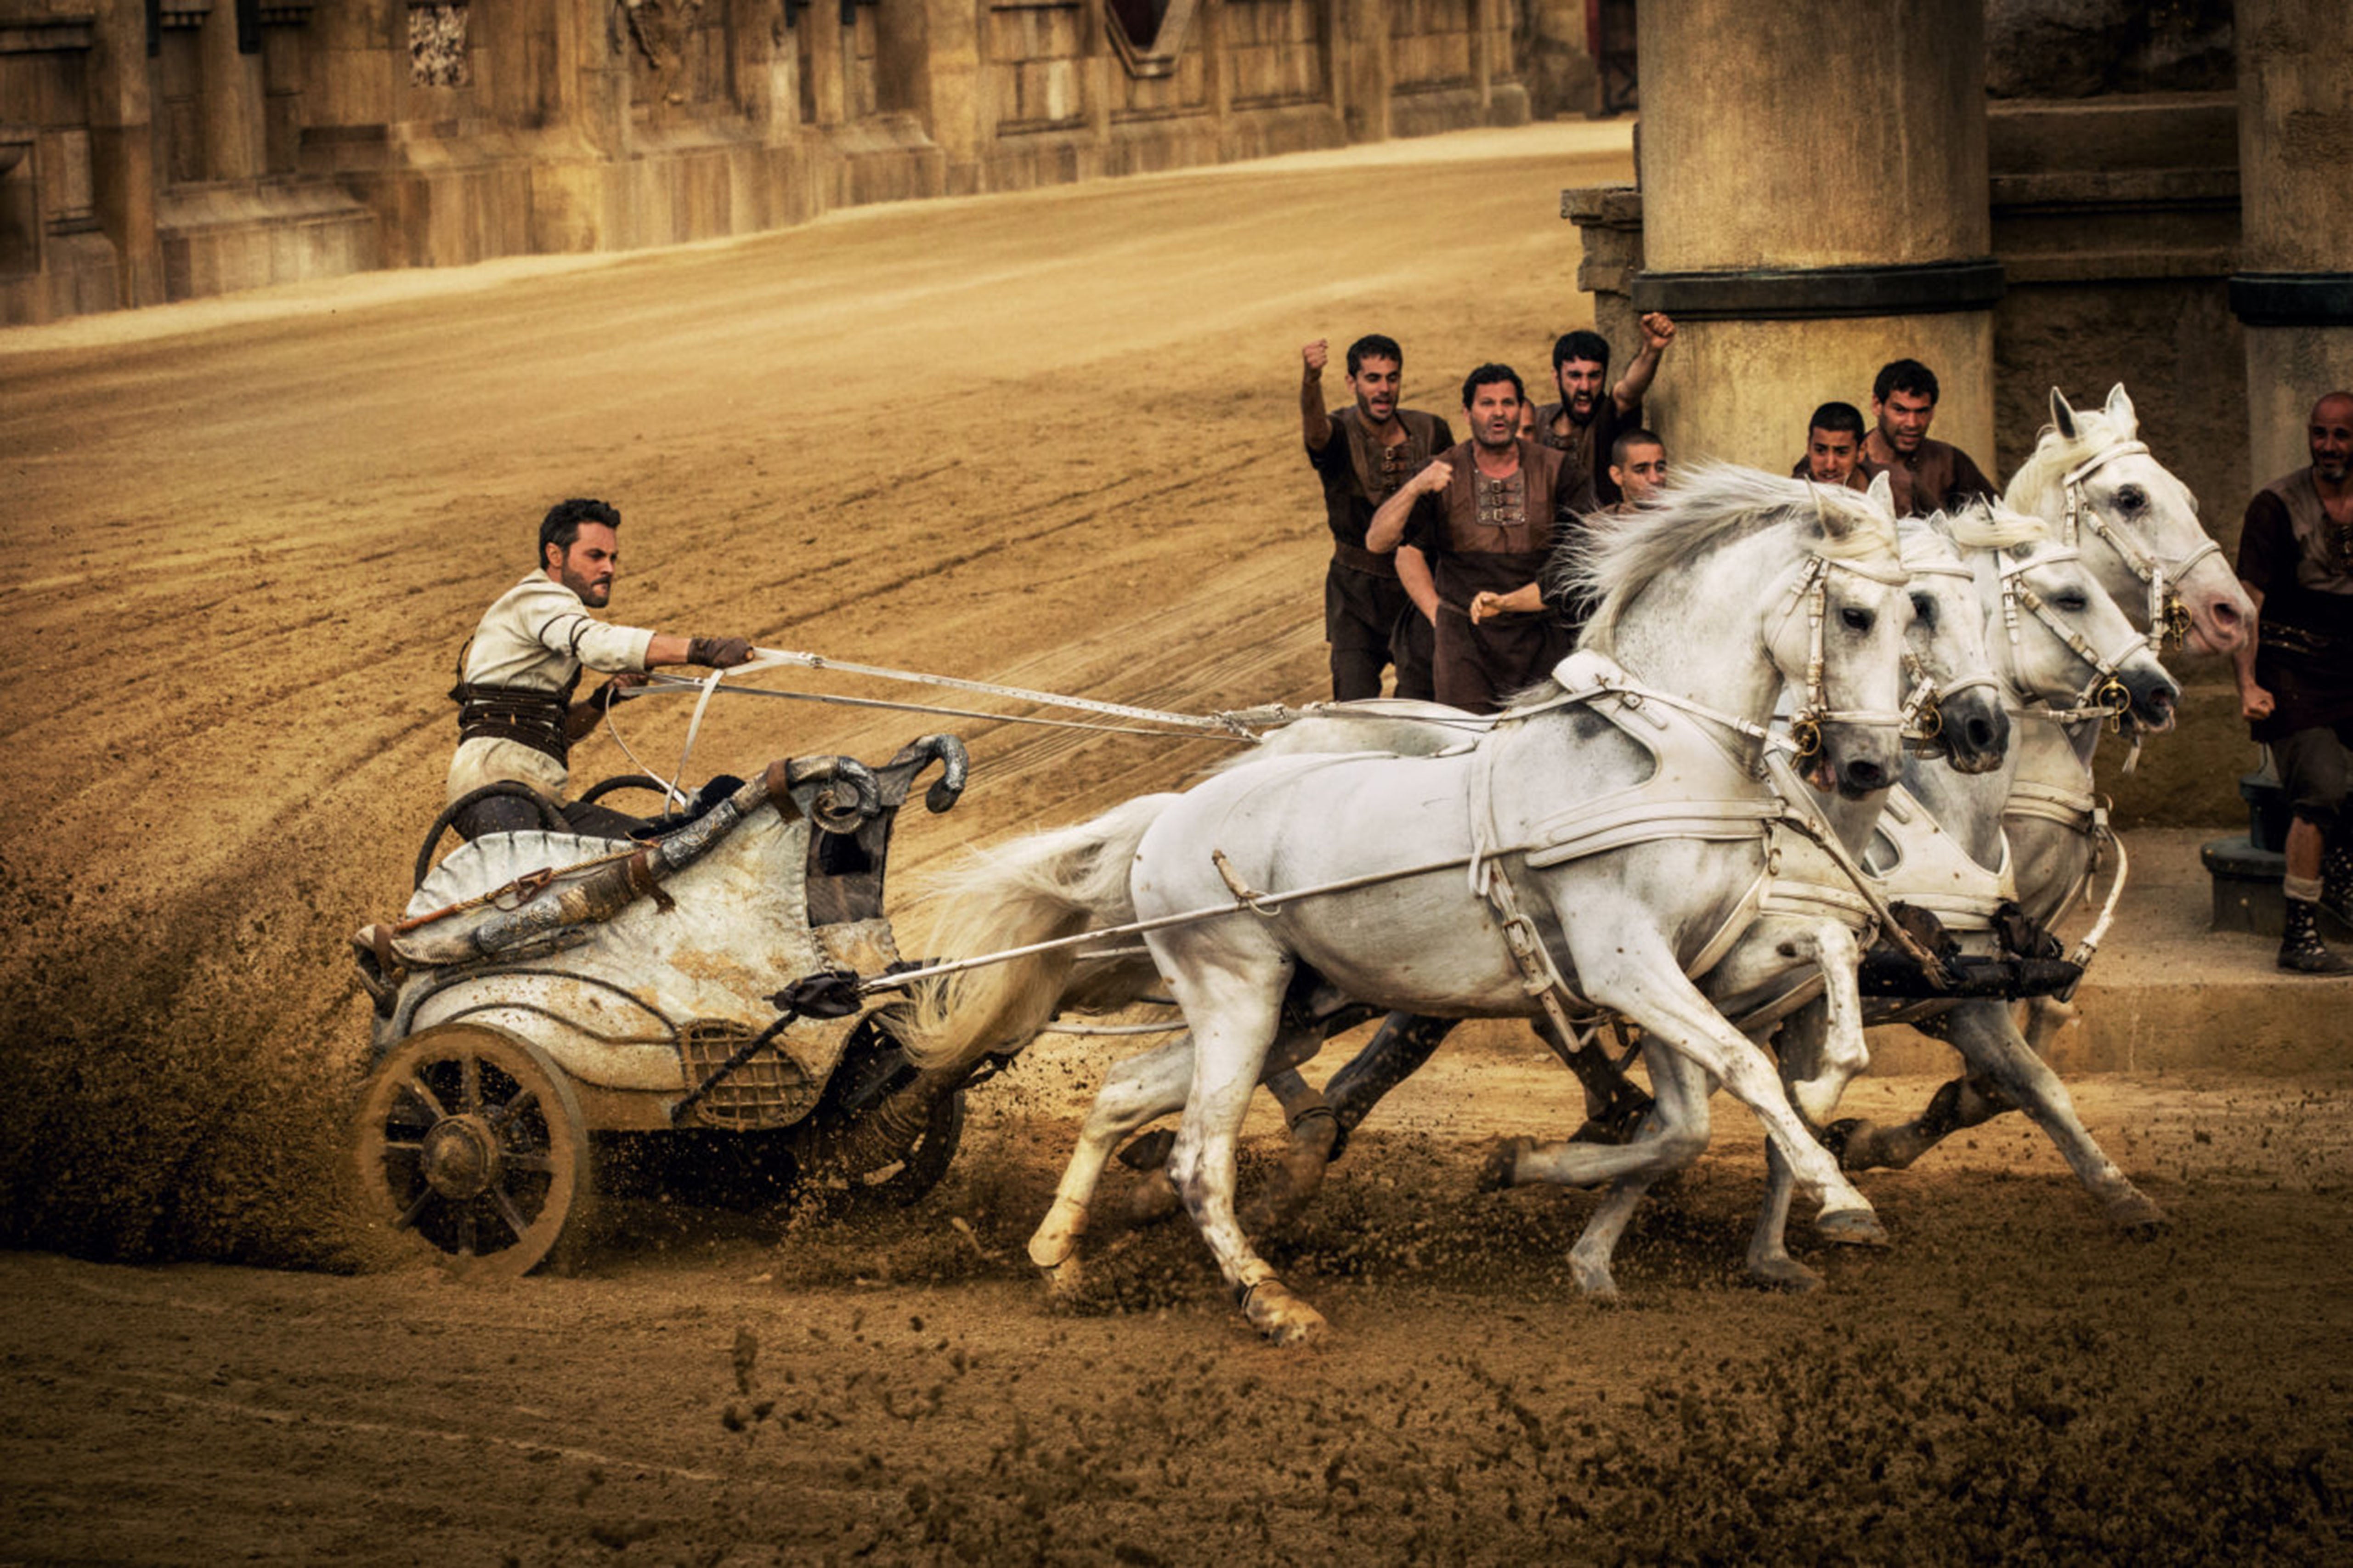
x,y
1923,609
2071,602
2131,497
1855,620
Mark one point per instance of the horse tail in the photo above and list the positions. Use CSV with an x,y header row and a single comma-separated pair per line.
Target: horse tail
x,y
1035,889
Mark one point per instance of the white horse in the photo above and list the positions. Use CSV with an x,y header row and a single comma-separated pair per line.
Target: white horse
x,y
2136,527
1627,814
1803,937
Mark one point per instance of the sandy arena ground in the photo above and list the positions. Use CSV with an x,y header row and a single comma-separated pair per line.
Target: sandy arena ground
x,y
1045,439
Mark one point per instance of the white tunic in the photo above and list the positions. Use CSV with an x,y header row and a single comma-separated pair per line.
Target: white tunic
x,y
537,635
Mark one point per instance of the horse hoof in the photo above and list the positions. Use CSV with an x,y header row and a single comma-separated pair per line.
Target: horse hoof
x,y
1502,1167
1838,1138
1594,1281
1153,1199
1852,1227
1284,1319
1062,1281
2139,1218
1785,1273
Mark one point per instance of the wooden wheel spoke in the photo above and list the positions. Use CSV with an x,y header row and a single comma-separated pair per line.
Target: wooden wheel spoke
x,y
414,1087
466,1231
515,1223
538,1163
515,1107
414,1212
470,1066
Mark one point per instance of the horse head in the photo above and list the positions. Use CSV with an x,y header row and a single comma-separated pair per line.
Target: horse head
x,y
1956,690
2135,524
2062,639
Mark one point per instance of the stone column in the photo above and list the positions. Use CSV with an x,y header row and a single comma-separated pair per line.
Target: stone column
x,y
122,150
232,100
1360,67
2295,190
1814,206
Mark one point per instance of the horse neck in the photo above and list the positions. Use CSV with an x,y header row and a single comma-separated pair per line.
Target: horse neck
x,y
1676,635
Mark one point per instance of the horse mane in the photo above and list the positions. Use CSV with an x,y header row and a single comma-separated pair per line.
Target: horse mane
x,y
2054,455
1701,510
1986,526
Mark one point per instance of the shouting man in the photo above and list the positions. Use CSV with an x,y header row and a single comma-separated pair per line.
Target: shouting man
x,y
1364,454
1587,422
1903,401
516,718
2296,675
1485,516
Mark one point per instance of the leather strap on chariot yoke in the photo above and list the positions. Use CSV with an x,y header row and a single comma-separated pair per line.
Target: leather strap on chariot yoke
x,y
530,715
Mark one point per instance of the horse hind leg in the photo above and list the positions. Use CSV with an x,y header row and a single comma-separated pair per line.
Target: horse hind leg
x,y
1673,1135
1230,1038
1988,1040
1139,1090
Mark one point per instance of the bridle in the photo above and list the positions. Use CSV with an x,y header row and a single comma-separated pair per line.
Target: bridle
x,y
2105,695
1814,711
1924,716
2168,618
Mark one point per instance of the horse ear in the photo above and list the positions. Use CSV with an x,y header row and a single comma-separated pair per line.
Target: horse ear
x,y
1882,492
2063,418
2120,409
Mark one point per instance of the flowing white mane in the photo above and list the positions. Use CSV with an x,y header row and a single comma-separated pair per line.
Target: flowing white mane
x,y
1701,510
1986,526
2054,455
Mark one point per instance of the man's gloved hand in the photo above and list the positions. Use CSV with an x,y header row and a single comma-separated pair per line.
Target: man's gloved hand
x,y
720,652
619,689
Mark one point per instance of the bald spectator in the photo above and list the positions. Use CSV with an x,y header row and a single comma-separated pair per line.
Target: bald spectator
x,y
1587,422
2295,675
1903,401
1834,455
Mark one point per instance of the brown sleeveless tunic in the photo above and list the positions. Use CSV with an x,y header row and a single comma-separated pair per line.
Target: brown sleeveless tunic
x,y
2304,564
1485,534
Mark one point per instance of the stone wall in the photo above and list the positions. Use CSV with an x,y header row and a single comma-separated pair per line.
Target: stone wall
x,y
239,142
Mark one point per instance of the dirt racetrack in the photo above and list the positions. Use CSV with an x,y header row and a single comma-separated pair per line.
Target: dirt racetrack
x,y
1045,439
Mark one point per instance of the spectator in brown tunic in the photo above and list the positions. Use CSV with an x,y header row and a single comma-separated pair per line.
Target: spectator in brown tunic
x,y
1834,455
1486,514
2296,675
1903,401
1587,422
1363,454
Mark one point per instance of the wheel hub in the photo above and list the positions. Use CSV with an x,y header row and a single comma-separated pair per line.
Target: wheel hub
x,y
461,1158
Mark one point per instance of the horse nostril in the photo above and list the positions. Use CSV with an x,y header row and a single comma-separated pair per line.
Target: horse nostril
x,y
1865,775
1981,732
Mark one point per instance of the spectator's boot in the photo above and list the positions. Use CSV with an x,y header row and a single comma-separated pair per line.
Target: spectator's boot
x,y
2300,948
2337,886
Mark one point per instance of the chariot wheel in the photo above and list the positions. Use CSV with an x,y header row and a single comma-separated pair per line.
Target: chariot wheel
x,y
907,1179
470,1143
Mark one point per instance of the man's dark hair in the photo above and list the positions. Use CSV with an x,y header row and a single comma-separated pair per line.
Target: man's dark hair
x,y
1845,418
1488,376
1627,440
560,527
1580,344
1374,346
1905,376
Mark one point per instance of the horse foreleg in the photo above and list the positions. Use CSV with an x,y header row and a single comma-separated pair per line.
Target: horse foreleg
x,y
1674,1134
1631,970
1825,1053
1988,1040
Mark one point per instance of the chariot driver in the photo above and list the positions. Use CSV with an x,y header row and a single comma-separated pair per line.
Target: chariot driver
x,y
2296,675
1486,514
516,676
